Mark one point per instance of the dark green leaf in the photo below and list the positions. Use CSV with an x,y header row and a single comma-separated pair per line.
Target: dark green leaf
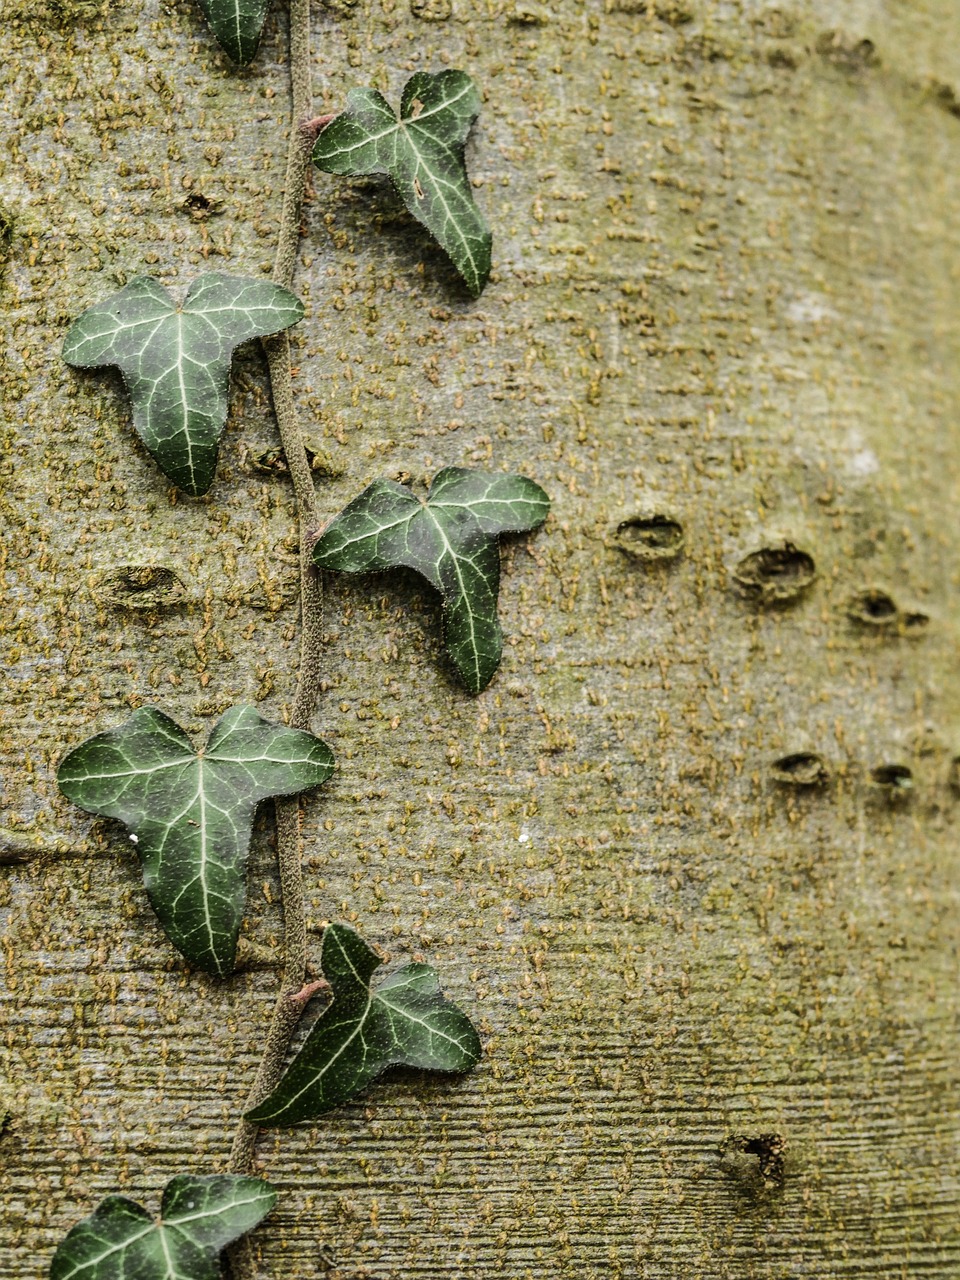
x,y
404,1022
237,25
190,813
423,154
198,1217
175,360
451,539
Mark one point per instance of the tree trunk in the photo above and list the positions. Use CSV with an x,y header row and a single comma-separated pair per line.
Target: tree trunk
x,y
718,994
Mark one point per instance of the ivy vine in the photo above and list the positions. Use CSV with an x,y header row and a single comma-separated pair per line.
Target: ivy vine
x,y
189,811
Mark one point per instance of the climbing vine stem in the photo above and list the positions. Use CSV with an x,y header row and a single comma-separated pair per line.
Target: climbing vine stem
x,y
288,1008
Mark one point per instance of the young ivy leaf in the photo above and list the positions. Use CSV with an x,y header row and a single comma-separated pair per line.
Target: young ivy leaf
x,y
237,25
198,1217
451,539
422,151
190,813
175,360
405,1022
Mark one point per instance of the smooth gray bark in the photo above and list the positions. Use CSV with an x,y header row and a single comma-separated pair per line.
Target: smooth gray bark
x,y
726,266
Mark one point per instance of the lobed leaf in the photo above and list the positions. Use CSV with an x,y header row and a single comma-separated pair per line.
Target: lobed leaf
x,y
190,813
422,151
198,1217
175,360
451,540
406,1021
237,24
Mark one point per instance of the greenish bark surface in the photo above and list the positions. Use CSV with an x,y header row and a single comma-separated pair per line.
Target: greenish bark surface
x,y
725,290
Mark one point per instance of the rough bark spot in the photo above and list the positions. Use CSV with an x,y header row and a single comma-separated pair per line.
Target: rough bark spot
x,y
6,236
847,51
877,609
895,781
651,538
61,15
431,10
914,621
273,461
777,23
201,207
775,575
873,608
755,1164
12,855
944,96
528,15
138,586
801,769
783,58
674,12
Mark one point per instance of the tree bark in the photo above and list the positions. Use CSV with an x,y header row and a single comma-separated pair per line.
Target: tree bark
x,y
719,1007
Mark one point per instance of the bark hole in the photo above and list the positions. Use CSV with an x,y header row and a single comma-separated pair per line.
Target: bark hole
x,y
139,586
894,780
776,575
800,769
651,538
754,1163
873,608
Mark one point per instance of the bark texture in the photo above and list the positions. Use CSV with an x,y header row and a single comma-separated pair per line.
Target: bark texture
x,y
720,1009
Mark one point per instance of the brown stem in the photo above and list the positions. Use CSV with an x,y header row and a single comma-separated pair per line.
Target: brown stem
x,y
287,1011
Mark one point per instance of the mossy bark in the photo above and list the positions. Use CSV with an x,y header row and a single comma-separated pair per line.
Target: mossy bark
x,y
718,994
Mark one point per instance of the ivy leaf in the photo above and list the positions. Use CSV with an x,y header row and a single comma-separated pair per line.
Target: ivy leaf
x,y
190,813
175,360
237,24
198,1217
422,151
405,1022
451,539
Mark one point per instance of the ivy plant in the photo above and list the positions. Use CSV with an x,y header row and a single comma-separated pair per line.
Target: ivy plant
x,y
422,152
175,360
451,539
237,24
199,1216
405,1021
190,812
